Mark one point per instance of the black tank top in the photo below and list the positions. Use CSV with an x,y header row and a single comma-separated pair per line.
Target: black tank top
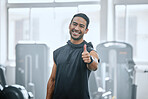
x,y
72,74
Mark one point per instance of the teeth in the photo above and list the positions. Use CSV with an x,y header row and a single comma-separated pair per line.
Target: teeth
x,y
76,33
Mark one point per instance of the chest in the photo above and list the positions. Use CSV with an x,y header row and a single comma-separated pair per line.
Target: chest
x,y
69,56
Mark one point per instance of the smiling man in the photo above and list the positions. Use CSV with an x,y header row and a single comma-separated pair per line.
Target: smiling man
x,y
73,64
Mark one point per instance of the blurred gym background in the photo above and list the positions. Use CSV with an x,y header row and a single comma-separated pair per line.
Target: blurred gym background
x,y
30,30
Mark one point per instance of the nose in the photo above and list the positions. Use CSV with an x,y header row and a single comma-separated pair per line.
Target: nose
x,y
77,27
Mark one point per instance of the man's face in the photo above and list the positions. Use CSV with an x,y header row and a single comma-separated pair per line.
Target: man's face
x,y
77,28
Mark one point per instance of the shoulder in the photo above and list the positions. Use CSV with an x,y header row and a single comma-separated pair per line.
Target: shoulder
x,y
58,50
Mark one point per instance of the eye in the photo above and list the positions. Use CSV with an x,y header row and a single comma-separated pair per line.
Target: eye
x,y
74,23
82,26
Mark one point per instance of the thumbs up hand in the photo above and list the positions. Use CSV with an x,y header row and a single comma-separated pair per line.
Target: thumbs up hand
x,y
86,55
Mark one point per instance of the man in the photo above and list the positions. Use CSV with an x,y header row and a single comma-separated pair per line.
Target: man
x,y
73,64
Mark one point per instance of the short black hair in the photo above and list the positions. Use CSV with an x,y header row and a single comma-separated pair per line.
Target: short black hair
x,y
84,16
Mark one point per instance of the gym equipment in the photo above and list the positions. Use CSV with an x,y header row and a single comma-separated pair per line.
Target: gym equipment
x,y
15,92
2,76
115,74
12,91
32,67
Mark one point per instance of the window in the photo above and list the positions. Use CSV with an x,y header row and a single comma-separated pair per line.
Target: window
x,y
49,25
131,27
18,28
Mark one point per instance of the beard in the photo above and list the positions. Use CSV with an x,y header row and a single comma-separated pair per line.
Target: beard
x,y
78,38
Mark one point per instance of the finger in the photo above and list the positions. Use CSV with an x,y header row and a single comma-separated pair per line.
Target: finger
x,y
85,53
85,56
86,60
85,46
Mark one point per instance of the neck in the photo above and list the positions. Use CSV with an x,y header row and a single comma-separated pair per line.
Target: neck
x,y
76,41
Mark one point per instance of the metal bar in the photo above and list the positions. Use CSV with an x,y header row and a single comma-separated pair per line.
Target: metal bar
x,y
55,4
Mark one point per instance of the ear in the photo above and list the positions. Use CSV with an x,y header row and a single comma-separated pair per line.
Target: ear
x,y
86,30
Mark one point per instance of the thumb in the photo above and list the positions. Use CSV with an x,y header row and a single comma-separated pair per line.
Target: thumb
x,y
85,48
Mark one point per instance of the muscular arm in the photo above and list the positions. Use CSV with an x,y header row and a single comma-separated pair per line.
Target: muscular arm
x,y
94,64
51,83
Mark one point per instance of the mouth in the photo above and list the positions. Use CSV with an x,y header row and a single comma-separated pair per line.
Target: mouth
x,y
76,33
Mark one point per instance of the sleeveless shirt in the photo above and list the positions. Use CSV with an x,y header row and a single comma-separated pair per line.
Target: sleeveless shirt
x,y
72,74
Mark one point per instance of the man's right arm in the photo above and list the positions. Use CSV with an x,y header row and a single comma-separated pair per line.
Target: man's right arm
x,y
51,83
